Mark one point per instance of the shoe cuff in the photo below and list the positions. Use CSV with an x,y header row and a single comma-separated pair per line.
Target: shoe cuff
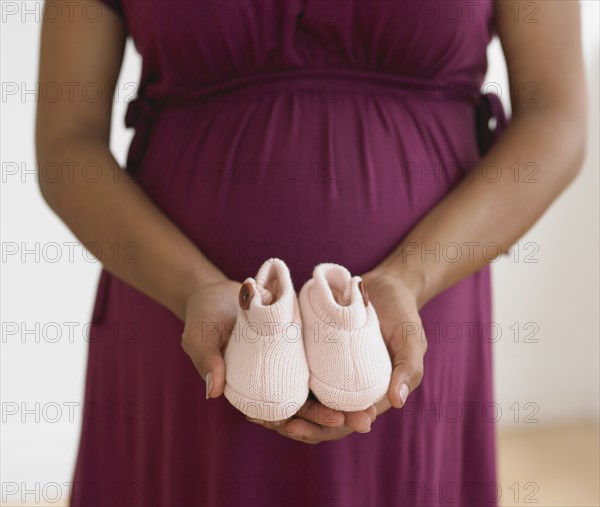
x,y
336,297
274,305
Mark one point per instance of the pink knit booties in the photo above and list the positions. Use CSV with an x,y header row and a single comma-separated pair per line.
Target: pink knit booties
x,y
266,373
350,367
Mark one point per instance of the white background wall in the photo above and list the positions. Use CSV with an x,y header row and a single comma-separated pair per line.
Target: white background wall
x,y
558,293
48,284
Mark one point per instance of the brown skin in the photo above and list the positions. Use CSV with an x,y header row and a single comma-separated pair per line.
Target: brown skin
x,y
549,132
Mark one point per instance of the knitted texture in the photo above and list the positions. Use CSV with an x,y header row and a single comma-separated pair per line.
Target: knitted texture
x,y
266,372
350,368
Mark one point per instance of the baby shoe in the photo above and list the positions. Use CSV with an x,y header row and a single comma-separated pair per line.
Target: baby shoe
x,y
266,373
350,367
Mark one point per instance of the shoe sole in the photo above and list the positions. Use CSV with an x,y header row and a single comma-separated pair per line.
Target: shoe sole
x,y
348,401
263,410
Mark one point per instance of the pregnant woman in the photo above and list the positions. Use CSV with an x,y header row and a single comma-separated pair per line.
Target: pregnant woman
x,y
347,131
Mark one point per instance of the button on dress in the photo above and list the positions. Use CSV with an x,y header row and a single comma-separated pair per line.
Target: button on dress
x,y
313,131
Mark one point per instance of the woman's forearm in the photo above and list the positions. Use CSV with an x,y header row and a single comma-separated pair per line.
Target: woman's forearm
x,y
106,210
121,226
534,160
538,155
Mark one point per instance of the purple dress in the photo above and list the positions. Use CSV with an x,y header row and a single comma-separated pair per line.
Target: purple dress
x,y
312,131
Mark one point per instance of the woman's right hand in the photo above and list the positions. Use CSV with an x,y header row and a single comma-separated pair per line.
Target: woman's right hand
x,y
210,314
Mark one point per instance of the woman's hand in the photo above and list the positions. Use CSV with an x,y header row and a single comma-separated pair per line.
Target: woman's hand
x,y
210,315
402,331
315,423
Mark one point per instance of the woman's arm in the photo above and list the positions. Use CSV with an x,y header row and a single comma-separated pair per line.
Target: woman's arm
x,y
546,134
112,210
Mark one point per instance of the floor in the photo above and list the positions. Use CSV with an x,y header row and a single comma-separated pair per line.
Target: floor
x,y
553,467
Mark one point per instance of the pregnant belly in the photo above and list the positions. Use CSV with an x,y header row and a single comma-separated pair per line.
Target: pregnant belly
x,y
307,176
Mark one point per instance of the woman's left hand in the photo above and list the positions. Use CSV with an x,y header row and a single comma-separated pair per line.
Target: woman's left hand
x,y
402,330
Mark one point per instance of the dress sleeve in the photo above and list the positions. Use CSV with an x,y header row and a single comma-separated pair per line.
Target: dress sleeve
x,y
115,5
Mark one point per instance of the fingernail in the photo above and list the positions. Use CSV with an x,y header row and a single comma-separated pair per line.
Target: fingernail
x,y
366,431
276,423
209,384
255,421
403,392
